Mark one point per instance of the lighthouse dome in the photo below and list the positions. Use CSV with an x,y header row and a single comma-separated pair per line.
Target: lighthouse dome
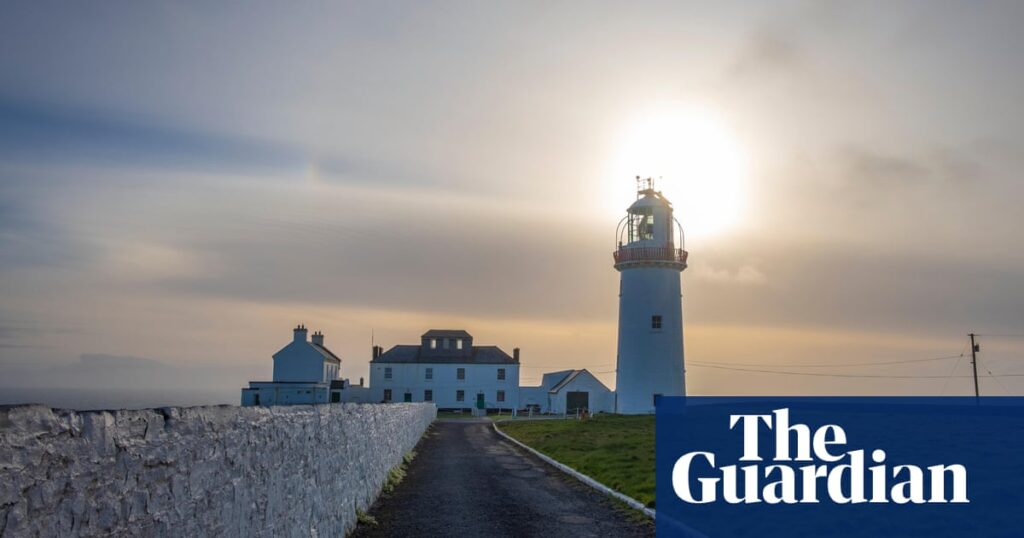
x,y
650,199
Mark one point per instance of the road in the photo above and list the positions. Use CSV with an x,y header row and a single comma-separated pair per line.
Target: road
x,y
467,480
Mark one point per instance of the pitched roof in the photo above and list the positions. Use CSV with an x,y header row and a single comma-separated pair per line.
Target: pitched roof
x,y
573,374
325,352
565,381
412,354
446,333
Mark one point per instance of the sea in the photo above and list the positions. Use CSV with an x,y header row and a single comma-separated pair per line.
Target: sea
x,y
108,399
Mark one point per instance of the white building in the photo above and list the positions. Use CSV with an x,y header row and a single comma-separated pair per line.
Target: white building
x,y
567,392
344,391
650,354
305,372
447,369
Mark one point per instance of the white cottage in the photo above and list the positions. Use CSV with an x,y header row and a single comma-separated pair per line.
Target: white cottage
x,y
568,391
305,372
447,369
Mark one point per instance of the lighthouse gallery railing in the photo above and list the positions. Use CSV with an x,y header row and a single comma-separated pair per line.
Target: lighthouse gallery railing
x,y
638,254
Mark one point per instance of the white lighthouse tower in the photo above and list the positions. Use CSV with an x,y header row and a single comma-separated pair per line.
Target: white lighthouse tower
x,y
649,260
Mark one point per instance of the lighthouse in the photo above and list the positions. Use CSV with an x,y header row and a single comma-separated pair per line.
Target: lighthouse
x,y
649,257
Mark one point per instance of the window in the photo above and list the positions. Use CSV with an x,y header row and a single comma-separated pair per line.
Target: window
x,y
460,396
428,374
501,396
387,373
428,395
656,322
501,374
641,224
458,343
387,395
460,374
444,343
433,343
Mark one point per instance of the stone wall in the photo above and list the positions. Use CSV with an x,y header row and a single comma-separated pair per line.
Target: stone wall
x,y
199,471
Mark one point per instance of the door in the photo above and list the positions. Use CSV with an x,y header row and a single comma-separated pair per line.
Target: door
x,y
576,401
408,397
480,401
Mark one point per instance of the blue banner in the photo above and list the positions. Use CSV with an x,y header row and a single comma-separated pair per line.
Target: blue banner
x,y
840,466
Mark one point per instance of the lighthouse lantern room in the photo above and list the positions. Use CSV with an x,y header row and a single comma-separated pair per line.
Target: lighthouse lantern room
x,y
649,261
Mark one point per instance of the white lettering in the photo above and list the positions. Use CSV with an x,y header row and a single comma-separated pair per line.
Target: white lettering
x,y
844,483
681,479
750,433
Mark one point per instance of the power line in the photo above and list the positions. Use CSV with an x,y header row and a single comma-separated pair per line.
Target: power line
x,y
824,365
576,366
1001,385
843,374
953,370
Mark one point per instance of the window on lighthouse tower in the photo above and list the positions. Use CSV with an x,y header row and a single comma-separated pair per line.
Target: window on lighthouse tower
x,y
656,322
647,227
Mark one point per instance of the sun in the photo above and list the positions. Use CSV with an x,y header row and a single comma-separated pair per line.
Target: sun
x,y
694,158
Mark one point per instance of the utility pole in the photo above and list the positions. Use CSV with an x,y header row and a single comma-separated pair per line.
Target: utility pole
x,y
974,364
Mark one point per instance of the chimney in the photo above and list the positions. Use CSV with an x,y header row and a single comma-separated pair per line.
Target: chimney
x,y
515,354
360,381
300,333
377,352
318,338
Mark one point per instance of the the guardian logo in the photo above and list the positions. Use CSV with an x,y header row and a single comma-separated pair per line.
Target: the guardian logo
x,y
842,476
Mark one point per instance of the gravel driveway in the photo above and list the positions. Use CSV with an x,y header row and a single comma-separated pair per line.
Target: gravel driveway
x,y
468,481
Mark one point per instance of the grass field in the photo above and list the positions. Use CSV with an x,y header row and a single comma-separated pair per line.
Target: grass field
x,y
468,415
616,450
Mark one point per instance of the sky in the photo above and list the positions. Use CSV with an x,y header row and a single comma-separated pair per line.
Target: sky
x,y
182,183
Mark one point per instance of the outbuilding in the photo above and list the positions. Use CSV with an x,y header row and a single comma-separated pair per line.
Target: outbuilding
x,y
568,391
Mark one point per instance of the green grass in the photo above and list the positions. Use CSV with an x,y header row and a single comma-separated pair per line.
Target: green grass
x,y
362,518
397,473
615,450
504,415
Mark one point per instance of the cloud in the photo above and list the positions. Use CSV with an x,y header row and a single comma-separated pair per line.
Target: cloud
x,y
744,275
857,288
766,53
881,170
100,370
191,178
31,130
100,361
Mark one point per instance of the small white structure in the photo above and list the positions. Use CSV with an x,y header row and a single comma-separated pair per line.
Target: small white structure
x,y
650,354
305,372
447,369
568,391
343,390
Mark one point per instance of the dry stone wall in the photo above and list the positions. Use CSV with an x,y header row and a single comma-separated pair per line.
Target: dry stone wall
x,y
199,471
